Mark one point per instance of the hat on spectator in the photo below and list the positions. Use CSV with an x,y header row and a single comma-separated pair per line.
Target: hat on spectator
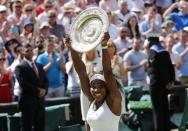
x,y
3,8
51,13
136,9
68,7
77,10
44,24
148,1
15,1
166,23
185,28
48,2
27,21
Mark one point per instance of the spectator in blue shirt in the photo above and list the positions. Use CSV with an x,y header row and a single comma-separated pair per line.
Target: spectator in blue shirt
x,y
54,66
180,18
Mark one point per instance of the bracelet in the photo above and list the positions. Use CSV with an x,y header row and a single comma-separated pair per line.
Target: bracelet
x,y
104,47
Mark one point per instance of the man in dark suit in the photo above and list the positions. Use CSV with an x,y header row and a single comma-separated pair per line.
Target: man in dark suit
x,y
33,83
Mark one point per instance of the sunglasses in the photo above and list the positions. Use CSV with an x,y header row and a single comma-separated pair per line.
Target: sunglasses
x,y
29,10
53,16
2,59
18,6
3,12
48,7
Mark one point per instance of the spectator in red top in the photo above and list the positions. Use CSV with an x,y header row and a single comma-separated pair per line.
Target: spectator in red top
x,y
5,81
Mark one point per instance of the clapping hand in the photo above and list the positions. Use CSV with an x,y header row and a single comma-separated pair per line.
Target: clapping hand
x,y
50,56
143,62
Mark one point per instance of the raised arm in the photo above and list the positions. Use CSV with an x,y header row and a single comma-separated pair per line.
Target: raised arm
x,y
80,69
170,9
115,96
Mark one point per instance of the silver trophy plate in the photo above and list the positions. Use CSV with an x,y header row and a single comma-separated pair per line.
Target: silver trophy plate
x,y
88,28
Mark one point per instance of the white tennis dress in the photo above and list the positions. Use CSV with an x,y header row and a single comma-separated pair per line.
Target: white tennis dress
x,y
102,119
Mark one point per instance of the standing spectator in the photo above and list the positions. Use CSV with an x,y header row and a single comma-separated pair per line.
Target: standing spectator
x,y
117,63
135,62
132,24
54,67
139,4
163,5
56,29
33,83
150,25
112,29
73,84
107,5
31,2
67,16
123,12
28,13
27,34
5,81
4,24
175,58
122,42
161,74
180,18
167,27
16,12
47,5
17,61
181,49
10,46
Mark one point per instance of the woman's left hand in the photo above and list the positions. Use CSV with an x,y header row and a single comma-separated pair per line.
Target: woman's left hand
x,y
105,39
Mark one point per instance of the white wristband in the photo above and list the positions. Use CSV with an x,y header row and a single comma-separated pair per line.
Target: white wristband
x,y
104,47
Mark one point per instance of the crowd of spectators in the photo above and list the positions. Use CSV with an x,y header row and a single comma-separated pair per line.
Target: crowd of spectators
x,y
45,23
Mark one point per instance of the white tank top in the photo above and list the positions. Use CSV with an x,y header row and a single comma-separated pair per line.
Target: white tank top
x,y
102,119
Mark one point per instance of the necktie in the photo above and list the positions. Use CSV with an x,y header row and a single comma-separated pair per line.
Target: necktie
x,y
35,69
